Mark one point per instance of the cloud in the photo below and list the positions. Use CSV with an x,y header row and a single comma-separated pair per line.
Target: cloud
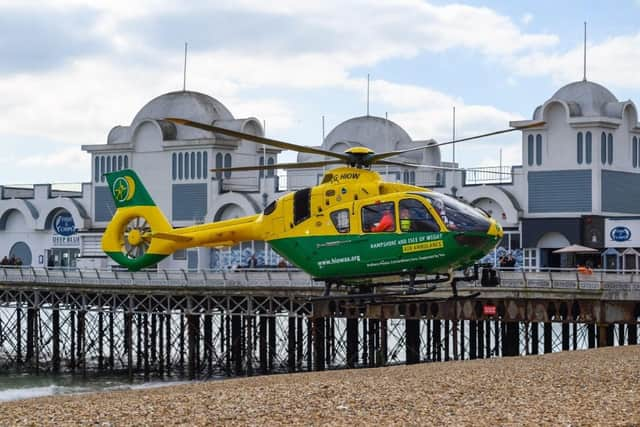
x,y
45,40
526,18
358,33
64,158
613,61
428,113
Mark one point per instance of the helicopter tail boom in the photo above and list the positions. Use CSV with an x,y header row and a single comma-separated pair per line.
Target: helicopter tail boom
x,y
139,235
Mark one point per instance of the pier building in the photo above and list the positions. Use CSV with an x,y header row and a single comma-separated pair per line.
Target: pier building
x,y
579,183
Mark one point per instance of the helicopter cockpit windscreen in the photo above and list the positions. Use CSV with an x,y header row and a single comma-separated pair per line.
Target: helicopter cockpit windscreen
x,y
457,216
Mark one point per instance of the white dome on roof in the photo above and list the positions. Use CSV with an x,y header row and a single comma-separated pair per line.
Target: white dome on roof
x,y
376,133
590,97
184,104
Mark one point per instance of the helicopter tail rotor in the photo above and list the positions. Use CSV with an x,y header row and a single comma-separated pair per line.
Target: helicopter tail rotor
x,y
129,238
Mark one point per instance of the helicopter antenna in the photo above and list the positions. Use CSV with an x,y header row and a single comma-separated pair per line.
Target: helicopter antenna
x,y
584,56
184,70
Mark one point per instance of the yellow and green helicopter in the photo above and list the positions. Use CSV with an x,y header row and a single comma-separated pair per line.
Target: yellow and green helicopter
x,y
353,226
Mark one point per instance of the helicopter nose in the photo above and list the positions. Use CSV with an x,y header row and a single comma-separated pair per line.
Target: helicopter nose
x,y
495,229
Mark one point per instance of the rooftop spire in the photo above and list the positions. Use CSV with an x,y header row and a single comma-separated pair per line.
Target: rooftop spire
x,y
584,56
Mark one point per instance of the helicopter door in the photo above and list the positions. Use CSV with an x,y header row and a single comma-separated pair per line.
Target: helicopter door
x,y
414,217
378,217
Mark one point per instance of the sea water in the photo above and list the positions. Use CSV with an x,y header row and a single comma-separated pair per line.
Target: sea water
x,y
26,386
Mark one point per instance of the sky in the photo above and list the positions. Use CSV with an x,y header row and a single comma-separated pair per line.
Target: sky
x,y
72,70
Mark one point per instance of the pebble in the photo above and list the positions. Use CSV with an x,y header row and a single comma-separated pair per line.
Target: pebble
x,y
578,388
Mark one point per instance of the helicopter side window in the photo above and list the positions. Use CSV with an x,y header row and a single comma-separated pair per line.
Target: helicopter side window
x,y
340,220
301,205
458,216
414,216
378,217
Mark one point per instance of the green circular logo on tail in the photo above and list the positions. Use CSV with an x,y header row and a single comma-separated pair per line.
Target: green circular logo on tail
x,y
123,189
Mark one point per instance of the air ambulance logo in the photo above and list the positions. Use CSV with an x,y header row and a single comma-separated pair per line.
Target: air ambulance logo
x,y
124,188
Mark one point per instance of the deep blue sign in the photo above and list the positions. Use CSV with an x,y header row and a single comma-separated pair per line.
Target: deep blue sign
x,y
620,234
63,224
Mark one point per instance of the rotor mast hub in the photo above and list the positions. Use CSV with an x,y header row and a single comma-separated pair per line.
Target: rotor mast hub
x,y
359,157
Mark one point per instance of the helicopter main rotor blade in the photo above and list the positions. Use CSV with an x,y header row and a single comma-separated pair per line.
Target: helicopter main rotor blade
x,y
446,168
392,163
377,157
279,166
258,139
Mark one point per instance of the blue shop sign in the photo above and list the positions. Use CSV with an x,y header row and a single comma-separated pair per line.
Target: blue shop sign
x,y
620,234
63,224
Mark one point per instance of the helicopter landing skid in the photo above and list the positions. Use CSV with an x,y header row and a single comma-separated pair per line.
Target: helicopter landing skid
x,y
358,297
362,287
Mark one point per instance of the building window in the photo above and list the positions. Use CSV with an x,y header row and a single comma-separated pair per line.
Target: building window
x,y
96,167
530,150
180,166
219,165
261,163
126,162
603,148
610,148
119,162
538,149
205,165
102,168
587,154
186,165
634,157
227,164
271,162
174,160
193,165
580,148
199,164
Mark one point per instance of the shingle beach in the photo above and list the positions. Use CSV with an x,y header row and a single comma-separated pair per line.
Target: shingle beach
x,y
591,387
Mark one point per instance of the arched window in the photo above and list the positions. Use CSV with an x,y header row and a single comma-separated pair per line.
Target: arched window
x,y
186,165
108,164
261,163
119,162
530,149
102,168
587,148
610,148
174,165
580,148
270,162
603,148
538,149
205,165
126,162
199,164
193,165
218,165
179,165
96,167
113,163
227,164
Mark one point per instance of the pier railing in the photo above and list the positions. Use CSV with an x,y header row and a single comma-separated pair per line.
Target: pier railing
x,y
569,279
557,279
245,277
